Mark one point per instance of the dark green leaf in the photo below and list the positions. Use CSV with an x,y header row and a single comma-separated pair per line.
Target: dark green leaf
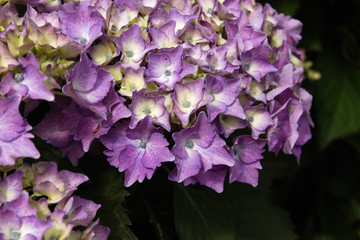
x,y
107,189
201,215
256,218
338,102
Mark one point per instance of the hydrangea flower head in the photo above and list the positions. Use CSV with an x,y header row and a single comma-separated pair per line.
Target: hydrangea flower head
x,y
199,69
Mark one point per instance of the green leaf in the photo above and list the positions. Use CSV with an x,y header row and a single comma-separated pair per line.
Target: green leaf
x,y
107,188
241,212
256,218
201,215
337,100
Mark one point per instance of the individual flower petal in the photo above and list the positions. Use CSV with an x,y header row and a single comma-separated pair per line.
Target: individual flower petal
x,y
213,178
255,62
11,187
259,119
78,211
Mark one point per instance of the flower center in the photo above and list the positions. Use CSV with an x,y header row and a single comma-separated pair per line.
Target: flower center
x,y
212,68
186,104
147,111
143,144
83,41
251,118
53,238
235,151
190,40
224,118
107,57
15,235
189,144
133,88
209,10
18,77
246,67
129,53
114,28
167,73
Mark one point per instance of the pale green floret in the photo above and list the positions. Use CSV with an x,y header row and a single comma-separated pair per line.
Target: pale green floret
x,y
83,41
189,144
167,73
143,144
18,77
129,53
147,111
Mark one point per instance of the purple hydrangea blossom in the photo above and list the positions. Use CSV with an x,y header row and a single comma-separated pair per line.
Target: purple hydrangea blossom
x,y
182,20
197,149
56,185
247,153
137,151
78,211
224,94
88,85
165,35
28,227
188,98
259,120
87,126
81,23
165,67
153,106
14,137
7,61
133,47
11,187
255,62
27,83
56,128
133,80
213,178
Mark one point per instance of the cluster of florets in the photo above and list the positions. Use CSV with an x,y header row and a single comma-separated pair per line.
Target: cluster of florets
x,y
36,203
222,77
